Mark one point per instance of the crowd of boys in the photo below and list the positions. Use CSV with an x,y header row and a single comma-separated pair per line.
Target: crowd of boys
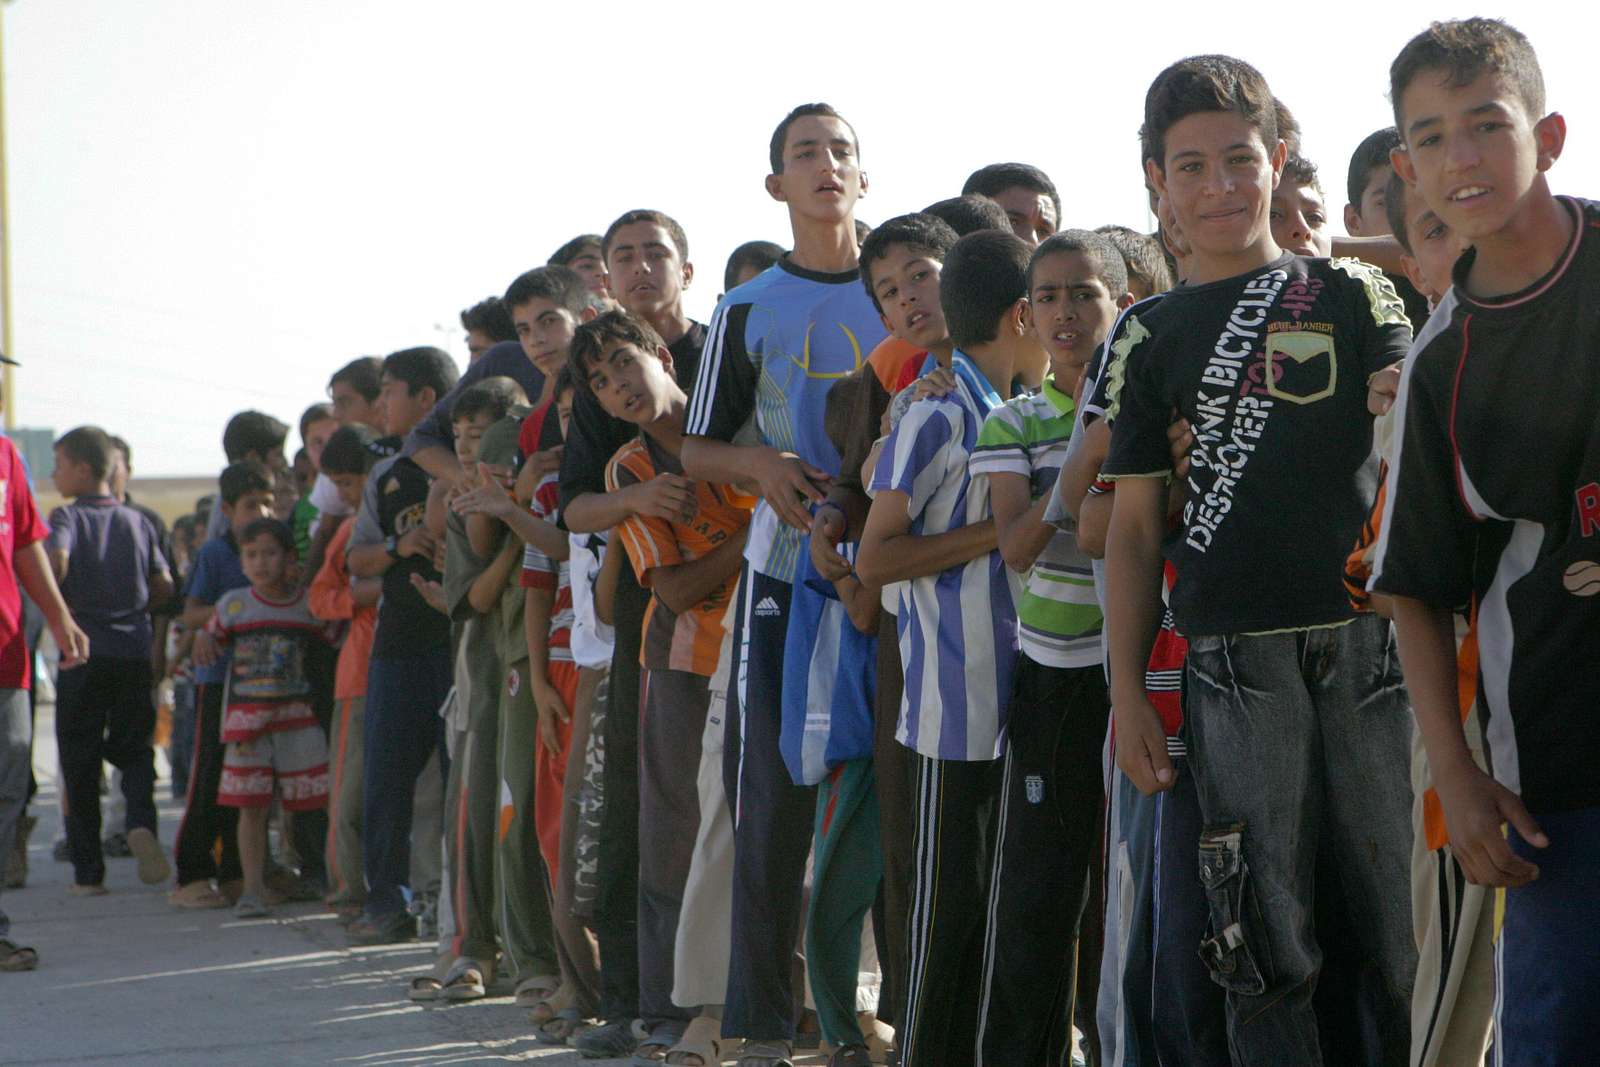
x,y
987,641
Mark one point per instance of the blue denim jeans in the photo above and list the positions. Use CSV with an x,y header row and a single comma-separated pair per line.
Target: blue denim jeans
x,y
1123,1006
1302,738
180,749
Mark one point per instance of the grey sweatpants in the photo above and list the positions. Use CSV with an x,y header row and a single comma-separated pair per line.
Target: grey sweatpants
x,y
16,757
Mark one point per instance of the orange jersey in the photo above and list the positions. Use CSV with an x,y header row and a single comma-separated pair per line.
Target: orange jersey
x,y
691,641
331,599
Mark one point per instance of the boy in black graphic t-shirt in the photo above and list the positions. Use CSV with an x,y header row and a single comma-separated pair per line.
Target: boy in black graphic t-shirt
x,y
1295,709
1494,506
410,670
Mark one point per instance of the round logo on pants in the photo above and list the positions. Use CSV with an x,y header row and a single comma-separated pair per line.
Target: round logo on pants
x,y
514,682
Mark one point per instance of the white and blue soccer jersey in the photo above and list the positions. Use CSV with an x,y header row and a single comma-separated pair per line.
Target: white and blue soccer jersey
x,y
774,348
958,628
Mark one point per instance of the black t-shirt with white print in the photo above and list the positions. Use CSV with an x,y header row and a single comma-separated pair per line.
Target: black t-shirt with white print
x,y
407,624
1494,502
1270,368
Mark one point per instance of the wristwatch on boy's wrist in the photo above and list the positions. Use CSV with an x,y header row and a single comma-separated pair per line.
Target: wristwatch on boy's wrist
x,y
391,545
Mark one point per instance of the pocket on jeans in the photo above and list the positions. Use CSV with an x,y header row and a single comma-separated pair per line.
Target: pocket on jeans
x,y
1234,948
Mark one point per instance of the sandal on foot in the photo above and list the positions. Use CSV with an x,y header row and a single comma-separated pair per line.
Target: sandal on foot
x,y
15,957
424,989
531,992
692,1052
559,1028
653,1049
766,1054
250,906
464,981
850,1056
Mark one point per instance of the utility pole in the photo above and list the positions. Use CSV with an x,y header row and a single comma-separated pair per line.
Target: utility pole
x,y
7,378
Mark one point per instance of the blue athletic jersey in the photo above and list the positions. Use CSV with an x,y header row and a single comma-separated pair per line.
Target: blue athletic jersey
x,y
774,348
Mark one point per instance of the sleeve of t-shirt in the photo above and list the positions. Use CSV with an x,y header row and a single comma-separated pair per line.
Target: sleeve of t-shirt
x,y
369,527
539,571
724,394
205,583
1427,539
27,525
158,557
592,438
648,540
1000,448
1139,411
916,457
217,625
60,537
1383,329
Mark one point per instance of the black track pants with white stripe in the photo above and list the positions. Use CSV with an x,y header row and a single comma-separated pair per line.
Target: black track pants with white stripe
x,y
956,807
1044,848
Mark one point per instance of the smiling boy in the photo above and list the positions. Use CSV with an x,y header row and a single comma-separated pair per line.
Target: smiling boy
x,y
776,346
1494,507
1294,704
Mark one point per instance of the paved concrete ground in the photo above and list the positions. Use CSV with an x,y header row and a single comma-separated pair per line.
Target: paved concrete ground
x,y
126,978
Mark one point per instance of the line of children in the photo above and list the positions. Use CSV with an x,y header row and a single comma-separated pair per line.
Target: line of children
x,y
919,703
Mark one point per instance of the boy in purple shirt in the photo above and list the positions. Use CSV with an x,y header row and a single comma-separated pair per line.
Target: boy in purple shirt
x,y
107,559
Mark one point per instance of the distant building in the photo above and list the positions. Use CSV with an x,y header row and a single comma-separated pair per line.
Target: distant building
x,y
37,452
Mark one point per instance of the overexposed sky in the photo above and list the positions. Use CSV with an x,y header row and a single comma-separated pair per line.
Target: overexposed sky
x,y
215,203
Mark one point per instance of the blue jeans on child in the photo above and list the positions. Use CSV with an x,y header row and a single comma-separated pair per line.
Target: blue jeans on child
x,y
1299,737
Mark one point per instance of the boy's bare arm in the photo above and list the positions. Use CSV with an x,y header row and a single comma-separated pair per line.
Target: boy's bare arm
x,y
1382,252
547,701
160,586
1133,606
683,585
196,613
59,559
786,481
1019,523
1094,523
491,582
35,575
1475,805
1083,465
440,462
891,553
366,592
863,603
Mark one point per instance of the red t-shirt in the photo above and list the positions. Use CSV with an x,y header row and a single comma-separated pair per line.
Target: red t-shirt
x,y
20,526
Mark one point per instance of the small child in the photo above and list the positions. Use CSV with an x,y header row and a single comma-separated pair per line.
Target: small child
x,y
107,558
931,527
246,495
270,733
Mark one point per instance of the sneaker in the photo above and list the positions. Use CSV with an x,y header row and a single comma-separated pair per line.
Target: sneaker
x,y
95,890
382,929
250,907
425,908
116,847
153,866
608,1041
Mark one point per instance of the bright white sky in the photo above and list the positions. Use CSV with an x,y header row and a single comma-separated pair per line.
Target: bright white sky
x,y
214,205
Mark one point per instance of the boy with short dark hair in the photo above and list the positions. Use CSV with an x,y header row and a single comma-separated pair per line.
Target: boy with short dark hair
x,y
258,436
273,744
107,560
970,213
1051,794
1366,213
1494,507
776,344
585,256
1429,246
1293,703
931,528
691,567
1142,255
486,323
336,595
1029,197
747,261
245,490
410,670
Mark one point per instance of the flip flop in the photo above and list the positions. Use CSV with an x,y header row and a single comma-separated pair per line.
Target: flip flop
x,y
850,1056
464,981
425,989
15,957
705,1052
